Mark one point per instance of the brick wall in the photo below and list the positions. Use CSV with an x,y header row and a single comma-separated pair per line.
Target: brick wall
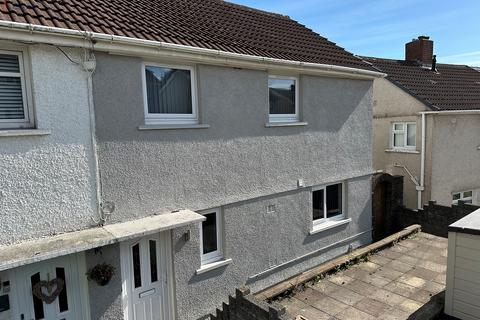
x,y
435,218
244,306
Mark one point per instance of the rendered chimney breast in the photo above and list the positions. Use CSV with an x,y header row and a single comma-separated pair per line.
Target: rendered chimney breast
x,y
420,50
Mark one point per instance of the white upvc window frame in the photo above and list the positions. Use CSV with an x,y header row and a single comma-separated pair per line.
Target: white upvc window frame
x,y
24,75
405,135
339,217
285,118
217,255
462,197
171,118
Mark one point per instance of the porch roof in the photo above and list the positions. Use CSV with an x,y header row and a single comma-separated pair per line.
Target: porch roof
x,y
72,242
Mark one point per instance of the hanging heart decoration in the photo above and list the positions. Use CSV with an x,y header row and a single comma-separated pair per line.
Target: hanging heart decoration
x,y
57,284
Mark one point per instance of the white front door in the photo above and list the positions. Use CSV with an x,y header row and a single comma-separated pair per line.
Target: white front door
x,y
65,290
145,270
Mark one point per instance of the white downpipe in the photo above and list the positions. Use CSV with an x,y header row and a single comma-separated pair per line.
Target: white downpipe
x,y
106,42
422,164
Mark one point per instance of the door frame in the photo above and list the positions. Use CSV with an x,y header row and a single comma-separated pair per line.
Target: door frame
x,y
78,265
126,271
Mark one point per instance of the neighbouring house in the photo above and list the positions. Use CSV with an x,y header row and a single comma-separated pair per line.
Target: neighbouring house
x,y
172,150
427,126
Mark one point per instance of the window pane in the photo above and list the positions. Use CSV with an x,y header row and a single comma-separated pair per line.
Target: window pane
x,y
37,303
398,126
334,200
398,140
153,261
168,90
137,277
11,99
209,233
467,194
62,298
456,196
282,96
318,204
411,134
9,63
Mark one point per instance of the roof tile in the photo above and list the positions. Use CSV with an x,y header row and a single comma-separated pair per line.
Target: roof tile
x,y
212,24
452,87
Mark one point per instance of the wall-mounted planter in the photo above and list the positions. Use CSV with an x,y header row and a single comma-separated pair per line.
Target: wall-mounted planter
x,y
101,274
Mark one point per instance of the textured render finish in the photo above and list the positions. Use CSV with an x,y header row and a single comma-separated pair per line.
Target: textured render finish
x,y
47,183
392,104
239,164
106,301
456,157
257,240
237,158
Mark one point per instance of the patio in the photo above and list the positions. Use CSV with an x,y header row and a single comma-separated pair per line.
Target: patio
x,y
404,281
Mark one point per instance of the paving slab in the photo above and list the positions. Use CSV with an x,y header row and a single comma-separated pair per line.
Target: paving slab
x,y
397,283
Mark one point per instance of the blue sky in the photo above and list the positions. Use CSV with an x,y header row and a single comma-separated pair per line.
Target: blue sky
x,y
382,27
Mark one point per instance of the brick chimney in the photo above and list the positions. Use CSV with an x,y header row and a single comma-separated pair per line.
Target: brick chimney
x,y
420,50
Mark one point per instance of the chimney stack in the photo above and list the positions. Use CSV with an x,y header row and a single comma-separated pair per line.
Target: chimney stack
x,y
420,50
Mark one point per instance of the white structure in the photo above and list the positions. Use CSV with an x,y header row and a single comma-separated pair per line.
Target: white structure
x,y
462,299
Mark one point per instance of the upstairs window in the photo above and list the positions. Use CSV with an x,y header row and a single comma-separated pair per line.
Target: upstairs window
x,y
14,109
283,99
211,237
465,196
328,203
169,95
404,135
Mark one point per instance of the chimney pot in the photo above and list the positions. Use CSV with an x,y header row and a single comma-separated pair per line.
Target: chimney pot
x,y
420,50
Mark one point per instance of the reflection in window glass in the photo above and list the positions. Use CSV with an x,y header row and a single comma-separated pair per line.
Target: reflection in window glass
x,y
281,95
334,200
168,90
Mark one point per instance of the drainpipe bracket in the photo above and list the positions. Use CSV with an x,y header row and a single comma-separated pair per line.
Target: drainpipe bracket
x,y
420,188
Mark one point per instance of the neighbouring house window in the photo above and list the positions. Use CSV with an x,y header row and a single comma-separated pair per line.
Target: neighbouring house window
x,y
170,96
14,106
328,203
283,99
465,196
404,135
211,234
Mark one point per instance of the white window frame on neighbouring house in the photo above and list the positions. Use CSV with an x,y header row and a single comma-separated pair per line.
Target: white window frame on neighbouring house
x,y
403,131
465,196
170,118
24,75
342,216
279,118
216,255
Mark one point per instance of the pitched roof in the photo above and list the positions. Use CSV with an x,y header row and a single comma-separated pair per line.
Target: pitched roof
x,y
211,24
452,87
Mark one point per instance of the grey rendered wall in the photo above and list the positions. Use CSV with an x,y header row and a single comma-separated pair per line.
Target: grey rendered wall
x,y
257,241
392,104
106,301
47,182
456,157
237,163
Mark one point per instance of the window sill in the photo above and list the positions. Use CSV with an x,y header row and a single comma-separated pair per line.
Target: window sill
x,y
213,266
403,151
172,126
24,132
329,225
285,124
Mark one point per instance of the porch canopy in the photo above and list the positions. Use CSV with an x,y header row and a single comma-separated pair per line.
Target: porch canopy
x,y
72,242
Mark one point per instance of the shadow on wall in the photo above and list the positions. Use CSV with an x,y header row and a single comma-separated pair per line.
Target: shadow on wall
x,y
106,301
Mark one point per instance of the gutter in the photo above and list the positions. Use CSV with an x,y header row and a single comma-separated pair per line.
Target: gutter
x,y
450,112
111,43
